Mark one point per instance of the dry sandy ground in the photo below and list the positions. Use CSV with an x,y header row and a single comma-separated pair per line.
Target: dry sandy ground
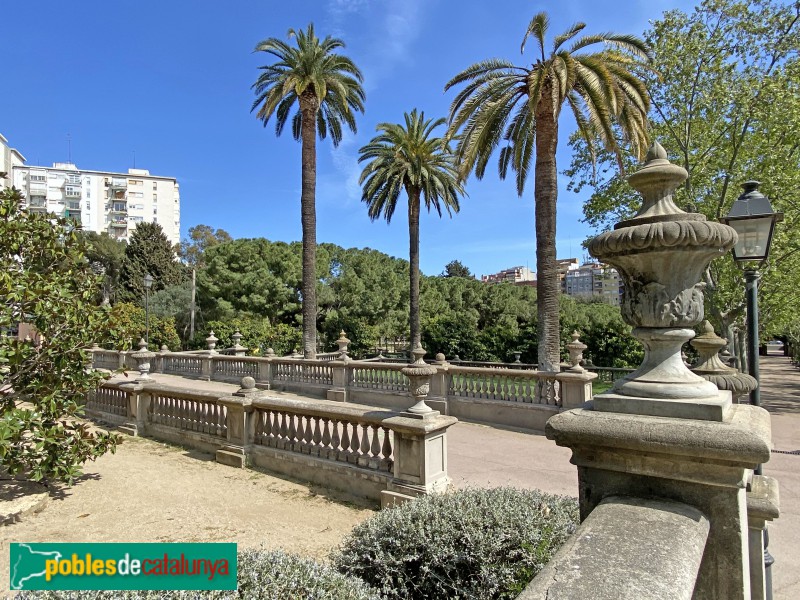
x,y
153,492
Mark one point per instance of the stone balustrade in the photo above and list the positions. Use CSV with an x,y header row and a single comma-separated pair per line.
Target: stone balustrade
x,y
504,396
382,455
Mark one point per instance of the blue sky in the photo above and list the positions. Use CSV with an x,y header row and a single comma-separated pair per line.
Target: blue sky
x,y
171,81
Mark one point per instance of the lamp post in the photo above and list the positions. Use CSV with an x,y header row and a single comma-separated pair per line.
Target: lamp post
x,y
148,283
754,221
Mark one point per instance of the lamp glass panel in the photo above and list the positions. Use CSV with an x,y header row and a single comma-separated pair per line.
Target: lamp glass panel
x,y
753,237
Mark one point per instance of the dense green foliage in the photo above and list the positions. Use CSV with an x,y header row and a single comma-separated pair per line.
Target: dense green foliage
x,y
475,543
201,237
148,251
726,106
516,109
409,157
127,326
262,575
255,283
47,281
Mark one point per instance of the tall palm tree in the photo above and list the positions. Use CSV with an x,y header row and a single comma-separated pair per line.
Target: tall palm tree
x,y
409,158
326,87
517,108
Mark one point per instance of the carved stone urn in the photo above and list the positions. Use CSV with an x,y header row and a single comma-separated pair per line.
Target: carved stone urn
x,y
143,356
419,374
710,366
661,254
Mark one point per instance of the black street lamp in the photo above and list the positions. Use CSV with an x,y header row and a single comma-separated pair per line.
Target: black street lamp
x,y
754,221
148,283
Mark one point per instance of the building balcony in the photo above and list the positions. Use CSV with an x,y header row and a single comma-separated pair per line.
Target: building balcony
x,y
73,206
119,223
37,202
116,183
72,193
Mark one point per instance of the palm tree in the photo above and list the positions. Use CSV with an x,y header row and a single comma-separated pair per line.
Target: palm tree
x,y
517,108
409,158
326,87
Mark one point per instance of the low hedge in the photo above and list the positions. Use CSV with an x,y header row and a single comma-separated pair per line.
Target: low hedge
x,y
473,543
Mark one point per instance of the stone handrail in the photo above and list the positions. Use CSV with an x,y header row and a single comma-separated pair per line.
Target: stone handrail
x,y
365,451
628,549
493,395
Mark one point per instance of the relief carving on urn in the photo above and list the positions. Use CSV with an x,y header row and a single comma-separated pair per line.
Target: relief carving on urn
x,y
649,305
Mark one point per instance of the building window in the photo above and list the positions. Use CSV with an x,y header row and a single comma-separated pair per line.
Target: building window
x,y
135,182
155,186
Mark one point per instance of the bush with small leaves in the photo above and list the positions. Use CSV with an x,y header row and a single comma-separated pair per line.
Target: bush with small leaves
x,y
473,543
262,575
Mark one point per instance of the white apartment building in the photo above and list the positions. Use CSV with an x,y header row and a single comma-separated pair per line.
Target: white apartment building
x,y
99,201
594,280
9,158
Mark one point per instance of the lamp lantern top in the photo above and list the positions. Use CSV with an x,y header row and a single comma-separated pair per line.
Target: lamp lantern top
x,y
148,281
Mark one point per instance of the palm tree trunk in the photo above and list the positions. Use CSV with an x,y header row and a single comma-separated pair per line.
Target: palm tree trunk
x,y
413,271
548,286
308,134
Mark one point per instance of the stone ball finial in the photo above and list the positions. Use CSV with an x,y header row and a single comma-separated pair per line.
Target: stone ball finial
x,y
142,344
440,358
248,383
270,352
164,348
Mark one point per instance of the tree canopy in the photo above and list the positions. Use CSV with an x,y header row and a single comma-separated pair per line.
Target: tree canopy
x,y
148,251
725,91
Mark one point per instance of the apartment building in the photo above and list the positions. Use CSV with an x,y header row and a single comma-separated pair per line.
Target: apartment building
x,y
517,275
100,201
594,280
9,158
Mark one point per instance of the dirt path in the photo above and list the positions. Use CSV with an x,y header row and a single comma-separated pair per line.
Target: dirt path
x,y
153,492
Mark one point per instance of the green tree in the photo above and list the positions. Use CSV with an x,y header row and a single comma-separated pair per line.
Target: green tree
x,y
726,106
47,281
201,238
148,251
326,86
455,268
518,108
409,158
106,256
127,325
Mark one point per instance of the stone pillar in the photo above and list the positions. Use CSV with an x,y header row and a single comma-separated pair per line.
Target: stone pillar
x,y
265,370
138,408
342,373
576,388
440,385
763,505
240,426
420,457
664,432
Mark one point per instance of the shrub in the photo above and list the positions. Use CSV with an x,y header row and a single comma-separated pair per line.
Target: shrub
x,y
471,543
263,575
